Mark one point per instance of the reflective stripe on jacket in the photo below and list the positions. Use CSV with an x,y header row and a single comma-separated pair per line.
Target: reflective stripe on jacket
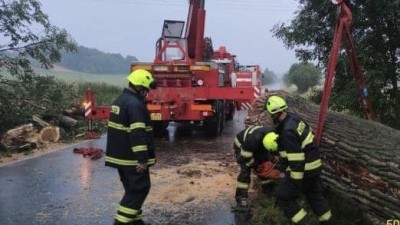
x,y
298,147
248,146
130,132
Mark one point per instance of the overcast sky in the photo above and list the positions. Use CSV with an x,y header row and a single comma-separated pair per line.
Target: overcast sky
x,y
131,27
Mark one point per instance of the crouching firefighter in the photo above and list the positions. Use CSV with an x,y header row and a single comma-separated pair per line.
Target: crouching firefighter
x,y
251,154
299,152
130,146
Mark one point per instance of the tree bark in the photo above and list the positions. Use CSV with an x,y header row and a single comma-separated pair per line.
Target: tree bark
x,y
19,137
361,157
66,121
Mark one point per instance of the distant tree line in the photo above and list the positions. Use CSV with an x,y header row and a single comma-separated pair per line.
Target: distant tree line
x,y
90,60
269,77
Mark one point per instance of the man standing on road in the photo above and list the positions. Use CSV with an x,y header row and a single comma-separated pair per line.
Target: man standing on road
x,y
251,154
299,150
130,146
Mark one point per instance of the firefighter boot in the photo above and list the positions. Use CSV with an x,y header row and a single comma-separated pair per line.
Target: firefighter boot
x,y
305,221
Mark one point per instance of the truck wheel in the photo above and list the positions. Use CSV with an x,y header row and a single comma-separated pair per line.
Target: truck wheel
x,y
230,109
230,114
212,126
223,116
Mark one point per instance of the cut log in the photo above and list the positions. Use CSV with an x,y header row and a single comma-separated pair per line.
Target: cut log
x,y
49,134
17,136
41,122
361,157
66,121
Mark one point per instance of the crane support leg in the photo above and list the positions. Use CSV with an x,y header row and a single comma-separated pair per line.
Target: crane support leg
x,y
343,28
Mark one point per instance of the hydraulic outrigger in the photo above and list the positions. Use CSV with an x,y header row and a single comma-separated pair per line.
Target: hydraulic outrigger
x,y
343,28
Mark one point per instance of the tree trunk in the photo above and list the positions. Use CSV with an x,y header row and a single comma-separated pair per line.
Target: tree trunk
x,y
66,121
20,137
361,158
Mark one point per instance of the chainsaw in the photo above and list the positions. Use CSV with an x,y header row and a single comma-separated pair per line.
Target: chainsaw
x,y
267,170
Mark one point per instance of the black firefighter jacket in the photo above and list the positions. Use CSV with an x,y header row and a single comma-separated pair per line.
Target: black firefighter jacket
x,y
130,132
250,153
298,148
249,147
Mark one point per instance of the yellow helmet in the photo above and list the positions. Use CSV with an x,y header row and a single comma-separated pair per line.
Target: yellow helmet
x,y
142,78
275,104
270,141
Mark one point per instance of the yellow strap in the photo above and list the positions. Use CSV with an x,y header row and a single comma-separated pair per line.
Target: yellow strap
x,y
283,154
133,126
242,185
117,126
237,143
137,125
296,156
123,219
250,163
309,139
313,165
139,148
253,129
121,161
246,154
128,210
296,175
249,131
326,216
299,216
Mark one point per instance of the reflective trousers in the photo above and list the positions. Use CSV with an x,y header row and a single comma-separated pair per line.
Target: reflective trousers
x,y
288,192
136,186
243,182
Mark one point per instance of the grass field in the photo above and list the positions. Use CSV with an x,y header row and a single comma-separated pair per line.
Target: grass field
x,y
76,77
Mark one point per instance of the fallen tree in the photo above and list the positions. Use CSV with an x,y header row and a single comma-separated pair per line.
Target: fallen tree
x,y
361,158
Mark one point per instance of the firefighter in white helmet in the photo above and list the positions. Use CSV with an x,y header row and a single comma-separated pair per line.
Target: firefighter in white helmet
x,y
297,147
130,146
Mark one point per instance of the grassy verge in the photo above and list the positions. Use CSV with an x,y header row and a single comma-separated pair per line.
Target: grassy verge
x,y
344,211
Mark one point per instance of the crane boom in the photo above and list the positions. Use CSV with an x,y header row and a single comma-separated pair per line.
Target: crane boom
x,y
195,29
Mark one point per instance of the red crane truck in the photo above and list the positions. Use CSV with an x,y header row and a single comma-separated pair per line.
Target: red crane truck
x,y
194,83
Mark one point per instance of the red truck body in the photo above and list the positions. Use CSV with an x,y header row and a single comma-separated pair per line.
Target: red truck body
x,y
194,81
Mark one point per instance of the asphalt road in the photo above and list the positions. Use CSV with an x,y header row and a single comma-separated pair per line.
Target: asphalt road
x,y
63,188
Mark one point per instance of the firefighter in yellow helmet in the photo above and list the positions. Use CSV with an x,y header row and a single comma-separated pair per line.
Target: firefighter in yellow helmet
x,y
251,154
299,151
130,147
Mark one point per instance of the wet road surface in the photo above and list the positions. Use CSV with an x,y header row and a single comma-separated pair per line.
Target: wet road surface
x,y
66,188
